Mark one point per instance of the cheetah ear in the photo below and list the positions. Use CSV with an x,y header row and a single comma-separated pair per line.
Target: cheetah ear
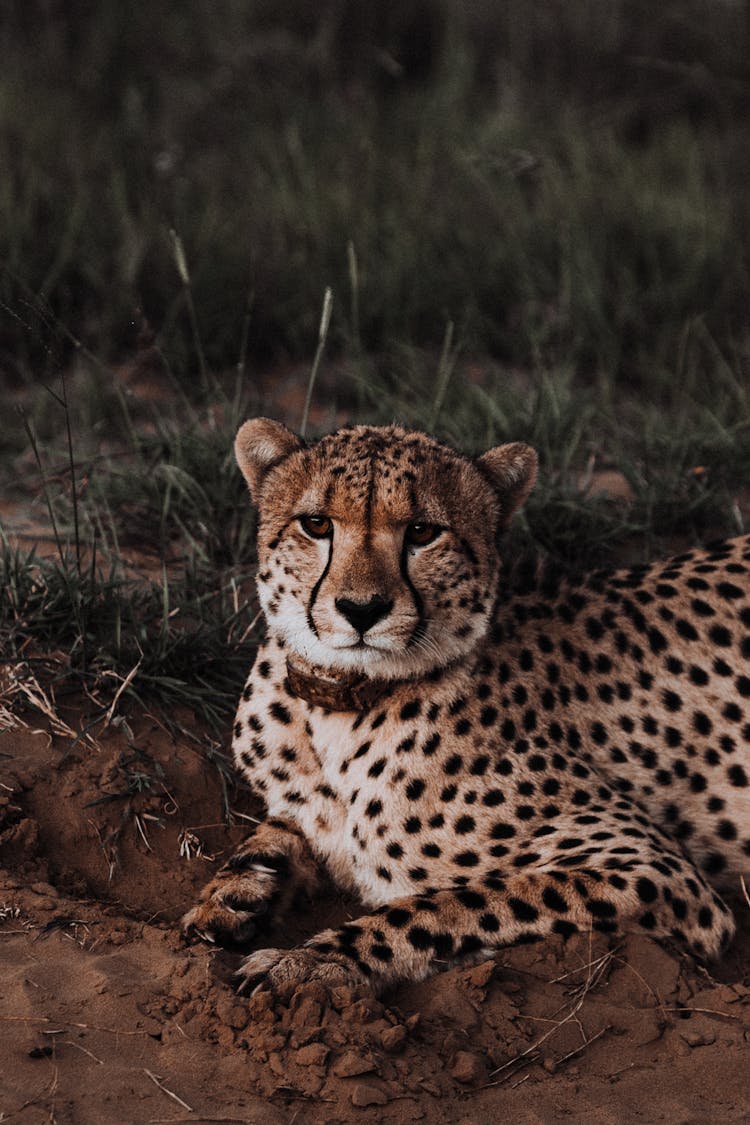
x,y
260,444
512,469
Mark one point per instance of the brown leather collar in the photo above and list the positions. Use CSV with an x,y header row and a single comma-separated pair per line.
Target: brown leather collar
x,y
354,692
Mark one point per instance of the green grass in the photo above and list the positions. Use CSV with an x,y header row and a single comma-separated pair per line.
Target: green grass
x,y
566,184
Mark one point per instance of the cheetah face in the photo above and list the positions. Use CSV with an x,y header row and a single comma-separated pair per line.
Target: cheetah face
x,y
377,546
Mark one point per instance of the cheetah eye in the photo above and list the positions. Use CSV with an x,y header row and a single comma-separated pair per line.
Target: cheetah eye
x,y
317,527
420,534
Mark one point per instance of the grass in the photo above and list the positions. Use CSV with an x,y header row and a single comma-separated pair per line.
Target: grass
x,y
583,211
532,225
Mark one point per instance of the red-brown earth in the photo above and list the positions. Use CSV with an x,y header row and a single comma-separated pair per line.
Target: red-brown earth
x,y
106,1015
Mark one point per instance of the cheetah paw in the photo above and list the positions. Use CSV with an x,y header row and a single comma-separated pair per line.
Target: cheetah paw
x,y
281,971
234,905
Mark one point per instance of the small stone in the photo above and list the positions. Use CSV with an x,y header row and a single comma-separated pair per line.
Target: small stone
x,y
393,1038
364,1011
351,1064
481,975
44,889
232,1014
311,991
698,1038
342,997
364,1094
276,1064
308,1012
549,1065
301,1036
468,1067
314,1054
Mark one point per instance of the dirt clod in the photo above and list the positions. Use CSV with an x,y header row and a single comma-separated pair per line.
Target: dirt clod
x,y
364,1094
468,1067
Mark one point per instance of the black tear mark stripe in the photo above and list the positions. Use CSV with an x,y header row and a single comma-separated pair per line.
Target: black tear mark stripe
x,y
316,588
420,628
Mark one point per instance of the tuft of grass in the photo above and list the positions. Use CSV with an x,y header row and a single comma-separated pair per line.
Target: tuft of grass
x,y
190,639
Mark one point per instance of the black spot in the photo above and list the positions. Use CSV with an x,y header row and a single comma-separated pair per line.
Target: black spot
x,y
471,899
719,635
522,910
419,938
488,716
280,712
554,901
382,952
705,918
737,777
466,859
702,723
431,744
646,889
415,789
686,630
411,709
464,824
600,908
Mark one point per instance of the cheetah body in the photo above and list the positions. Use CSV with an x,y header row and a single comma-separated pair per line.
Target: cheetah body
x,y
570,755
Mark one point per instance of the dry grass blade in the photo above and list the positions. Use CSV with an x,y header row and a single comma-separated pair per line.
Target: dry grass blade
x,y
170,1093
123,687
745,894
325,321
24,684
595,969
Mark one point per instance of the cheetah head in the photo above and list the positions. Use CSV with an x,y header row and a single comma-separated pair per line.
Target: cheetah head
x,y
377,546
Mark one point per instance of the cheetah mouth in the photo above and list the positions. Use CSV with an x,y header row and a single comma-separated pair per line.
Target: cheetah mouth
x,y
362,644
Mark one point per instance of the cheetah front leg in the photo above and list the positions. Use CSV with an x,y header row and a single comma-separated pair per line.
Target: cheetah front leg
x,y
410,938
256,886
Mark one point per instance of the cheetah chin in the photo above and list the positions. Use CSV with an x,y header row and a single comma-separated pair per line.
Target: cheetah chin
x,y
483,760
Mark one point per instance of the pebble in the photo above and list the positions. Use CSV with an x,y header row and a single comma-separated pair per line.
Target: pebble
x,y
698,1038
363,1094
468,1067
393,1038
314,1054
351,1064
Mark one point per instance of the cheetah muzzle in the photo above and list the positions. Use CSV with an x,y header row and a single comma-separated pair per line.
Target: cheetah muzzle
x,y
484,761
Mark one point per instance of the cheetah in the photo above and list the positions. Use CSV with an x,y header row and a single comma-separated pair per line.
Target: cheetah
x,y
483,763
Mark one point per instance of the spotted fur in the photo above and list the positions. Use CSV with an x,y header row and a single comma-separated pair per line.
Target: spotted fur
x,y
566,757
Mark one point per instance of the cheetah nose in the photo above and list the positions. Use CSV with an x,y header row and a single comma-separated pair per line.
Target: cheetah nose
x,y
363,615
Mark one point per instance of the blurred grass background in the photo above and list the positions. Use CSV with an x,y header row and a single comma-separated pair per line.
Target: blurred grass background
x,y
533,215
566,181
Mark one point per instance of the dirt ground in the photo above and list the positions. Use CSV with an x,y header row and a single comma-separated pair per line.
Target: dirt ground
x,y
106,1015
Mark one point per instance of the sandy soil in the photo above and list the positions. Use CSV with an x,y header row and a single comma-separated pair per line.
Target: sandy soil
x,y
106,1015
